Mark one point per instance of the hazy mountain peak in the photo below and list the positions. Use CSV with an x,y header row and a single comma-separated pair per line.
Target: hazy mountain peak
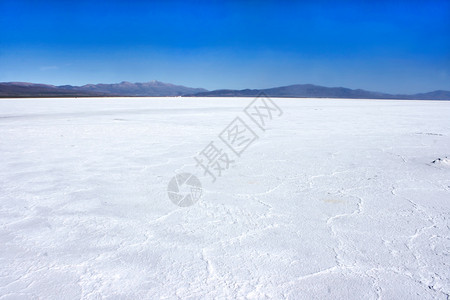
x,y
151,88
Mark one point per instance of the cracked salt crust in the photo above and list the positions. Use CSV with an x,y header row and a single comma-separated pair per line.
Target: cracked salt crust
x,y
338,198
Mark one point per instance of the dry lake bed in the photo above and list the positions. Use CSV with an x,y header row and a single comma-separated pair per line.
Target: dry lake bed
x,y
328,199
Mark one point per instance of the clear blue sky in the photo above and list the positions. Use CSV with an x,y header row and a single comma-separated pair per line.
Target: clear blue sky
x,y
388,46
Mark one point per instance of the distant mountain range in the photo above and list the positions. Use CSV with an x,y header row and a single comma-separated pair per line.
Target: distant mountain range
x,y
316,91
160,89
146,89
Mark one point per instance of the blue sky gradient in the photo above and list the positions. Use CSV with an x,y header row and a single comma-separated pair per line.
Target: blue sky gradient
x,y
388,46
